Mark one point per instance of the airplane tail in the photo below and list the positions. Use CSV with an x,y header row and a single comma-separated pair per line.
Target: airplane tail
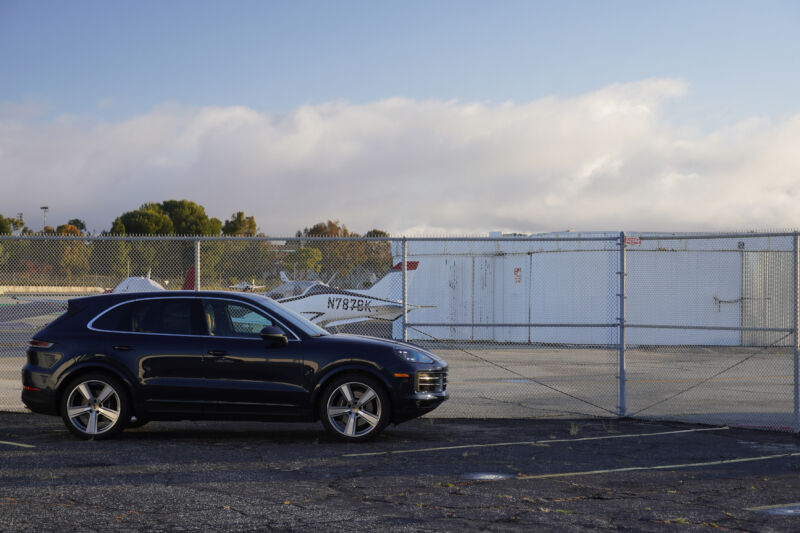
x,y
390,286
188,281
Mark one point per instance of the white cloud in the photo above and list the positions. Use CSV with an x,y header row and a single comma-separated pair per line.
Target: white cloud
x,y
604,160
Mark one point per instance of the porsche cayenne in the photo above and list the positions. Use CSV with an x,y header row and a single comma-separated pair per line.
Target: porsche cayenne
x,y
118,360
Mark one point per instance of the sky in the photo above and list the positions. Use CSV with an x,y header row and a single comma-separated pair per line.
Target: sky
x,y
415,117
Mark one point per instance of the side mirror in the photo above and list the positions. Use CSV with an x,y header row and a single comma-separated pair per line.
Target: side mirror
x,y
274,336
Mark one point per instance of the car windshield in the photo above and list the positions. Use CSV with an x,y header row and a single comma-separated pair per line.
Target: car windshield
x,y
308,327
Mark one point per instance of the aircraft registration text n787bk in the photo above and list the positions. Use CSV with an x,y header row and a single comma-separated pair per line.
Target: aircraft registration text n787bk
x,y
356,304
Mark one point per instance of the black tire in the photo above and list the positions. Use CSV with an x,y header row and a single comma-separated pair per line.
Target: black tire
x,y
354,408
95,406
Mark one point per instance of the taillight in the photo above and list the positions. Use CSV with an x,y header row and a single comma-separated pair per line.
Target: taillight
x,y
39,344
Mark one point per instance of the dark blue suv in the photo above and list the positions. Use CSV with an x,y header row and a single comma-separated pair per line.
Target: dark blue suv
x,y
119,360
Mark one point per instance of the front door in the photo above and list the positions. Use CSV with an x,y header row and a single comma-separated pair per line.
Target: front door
x,y
244,373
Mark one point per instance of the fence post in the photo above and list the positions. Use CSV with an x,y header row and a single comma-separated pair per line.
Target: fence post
x,y
621,371
197,265
796,310
405,290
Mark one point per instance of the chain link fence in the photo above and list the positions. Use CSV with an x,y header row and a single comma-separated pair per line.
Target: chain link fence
x,y
690,327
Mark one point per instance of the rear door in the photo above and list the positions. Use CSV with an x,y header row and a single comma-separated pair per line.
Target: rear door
x,y
244,373
160,341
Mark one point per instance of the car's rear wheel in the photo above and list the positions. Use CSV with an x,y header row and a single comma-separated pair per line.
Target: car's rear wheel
x,y
95,406
354,408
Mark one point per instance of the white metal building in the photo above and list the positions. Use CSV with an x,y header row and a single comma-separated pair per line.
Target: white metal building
x,y
671,281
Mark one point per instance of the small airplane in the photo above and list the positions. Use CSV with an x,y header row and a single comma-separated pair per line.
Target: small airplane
x,y
138,284
330,306
246,286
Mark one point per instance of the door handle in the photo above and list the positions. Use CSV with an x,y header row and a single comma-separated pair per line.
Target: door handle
x,y
217,352
123,348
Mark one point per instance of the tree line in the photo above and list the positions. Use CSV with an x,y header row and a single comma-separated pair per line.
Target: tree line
x,y
171,217
352,263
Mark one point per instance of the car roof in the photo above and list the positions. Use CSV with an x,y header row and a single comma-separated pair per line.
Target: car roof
x,y
112,298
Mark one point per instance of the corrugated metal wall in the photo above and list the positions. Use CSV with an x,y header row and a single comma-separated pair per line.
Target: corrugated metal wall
x,y
715,284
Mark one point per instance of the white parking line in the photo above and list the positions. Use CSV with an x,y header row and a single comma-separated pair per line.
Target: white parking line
x,y
534,442
661,467
17,444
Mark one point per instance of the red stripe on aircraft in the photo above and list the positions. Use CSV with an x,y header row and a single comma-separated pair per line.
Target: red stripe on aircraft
x,y
410,265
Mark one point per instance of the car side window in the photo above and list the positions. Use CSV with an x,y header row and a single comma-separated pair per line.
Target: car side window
x,y
170,316
229,319
117,319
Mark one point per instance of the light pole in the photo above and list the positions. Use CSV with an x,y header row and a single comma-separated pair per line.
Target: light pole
x,y
44,209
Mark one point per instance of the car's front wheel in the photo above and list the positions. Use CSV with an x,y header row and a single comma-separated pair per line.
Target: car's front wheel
x,y
354,408
95,406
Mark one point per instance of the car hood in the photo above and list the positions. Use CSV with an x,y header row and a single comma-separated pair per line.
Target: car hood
x,y
390,344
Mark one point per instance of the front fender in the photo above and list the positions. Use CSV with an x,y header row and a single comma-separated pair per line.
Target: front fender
x,y
351,367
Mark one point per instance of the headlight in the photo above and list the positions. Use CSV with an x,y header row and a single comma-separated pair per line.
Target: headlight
x,y
413,356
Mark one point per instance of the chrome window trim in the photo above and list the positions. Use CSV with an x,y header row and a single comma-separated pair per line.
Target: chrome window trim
x,y
90,324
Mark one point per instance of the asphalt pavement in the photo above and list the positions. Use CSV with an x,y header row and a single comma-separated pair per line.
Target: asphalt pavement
x,y
425,475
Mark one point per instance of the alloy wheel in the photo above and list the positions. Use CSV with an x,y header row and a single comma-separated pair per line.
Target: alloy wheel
x,y
93,407
354,409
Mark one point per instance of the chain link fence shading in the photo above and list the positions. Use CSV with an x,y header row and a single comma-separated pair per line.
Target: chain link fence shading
x,y
689,327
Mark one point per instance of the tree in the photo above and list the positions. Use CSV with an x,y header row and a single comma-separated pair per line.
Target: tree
x,y
183,217
73,259
239,225
69,229
167,259
117,228
352,262
7,225
331,228
378,253
110,258
78,223
338,257
304,260
149,219
189,218
63,258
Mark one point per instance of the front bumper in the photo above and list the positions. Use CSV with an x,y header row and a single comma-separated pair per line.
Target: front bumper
x,y
418,404
423,394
